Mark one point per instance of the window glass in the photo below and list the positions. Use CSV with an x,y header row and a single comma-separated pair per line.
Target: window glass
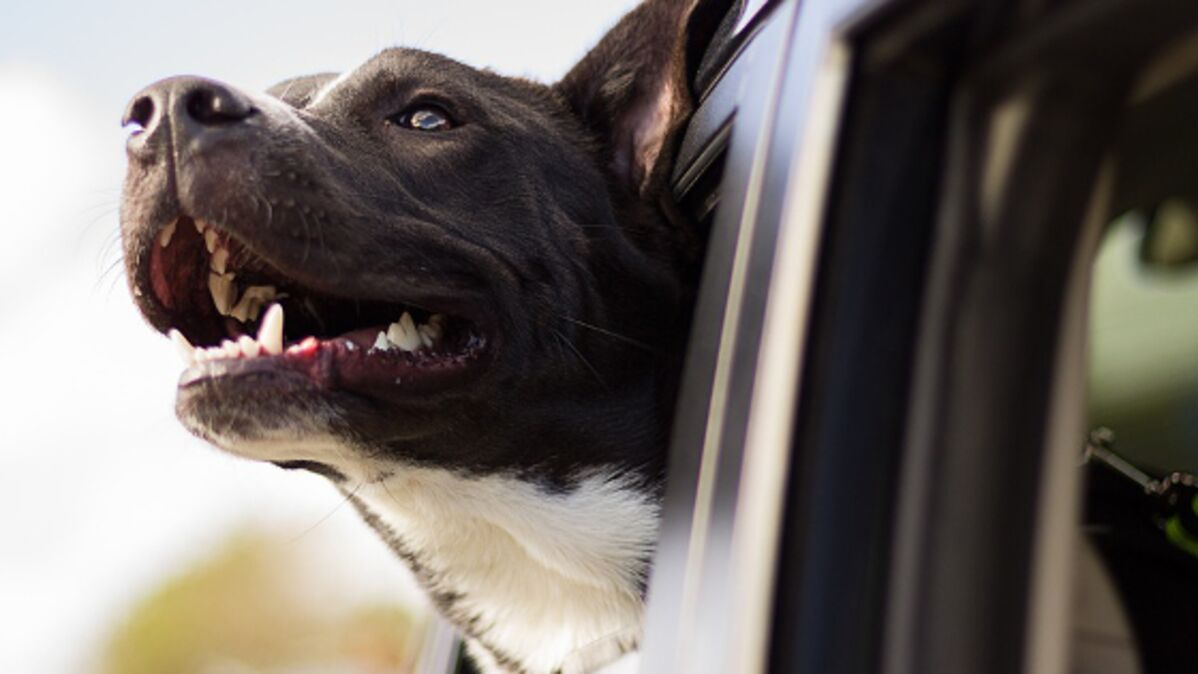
x,y
1144,336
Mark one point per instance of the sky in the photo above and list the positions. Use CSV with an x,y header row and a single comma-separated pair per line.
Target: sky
x,y
103,494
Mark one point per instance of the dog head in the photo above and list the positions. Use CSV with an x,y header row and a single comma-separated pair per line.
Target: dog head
x,y
421,266
507,237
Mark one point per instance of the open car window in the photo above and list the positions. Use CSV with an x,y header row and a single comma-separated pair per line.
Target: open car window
x,y
916,507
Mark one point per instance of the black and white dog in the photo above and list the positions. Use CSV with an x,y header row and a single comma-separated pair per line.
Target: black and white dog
x,y
462,297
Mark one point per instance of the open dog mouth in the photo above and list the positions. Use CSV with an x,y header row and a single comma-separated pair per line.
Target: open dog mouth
x,y
232,313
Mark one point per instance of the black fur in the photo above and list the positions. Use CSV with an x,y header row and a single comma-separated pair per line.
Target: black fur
x,y
543,216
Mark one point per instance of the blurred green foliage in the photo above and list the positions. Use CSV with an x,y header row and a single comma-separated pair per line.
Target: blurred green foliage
x,y
246,610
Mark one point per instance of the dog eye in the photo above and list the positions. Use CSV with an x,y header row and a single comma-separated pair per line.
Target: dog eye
x,y
424,118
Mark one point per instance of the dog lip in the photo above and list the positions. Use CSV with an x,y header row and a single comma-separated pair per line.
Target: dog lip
x,y
159,301
360,354
342,357
339,364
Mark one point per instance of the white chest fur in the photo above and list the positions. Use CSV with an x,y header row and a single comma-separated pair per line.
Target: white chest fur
x,y
551,580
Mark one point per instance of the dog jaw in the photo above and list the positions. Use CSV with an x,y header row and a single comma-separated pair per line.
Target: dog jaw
x,y
540,579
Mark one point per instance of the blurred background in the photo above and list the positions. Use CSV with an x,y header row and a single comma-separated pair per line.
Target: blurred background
x,y
126,545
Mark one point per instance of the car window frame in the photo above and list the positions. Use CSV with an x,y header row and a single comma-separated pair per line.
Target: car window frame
x,y
731,436
1021,621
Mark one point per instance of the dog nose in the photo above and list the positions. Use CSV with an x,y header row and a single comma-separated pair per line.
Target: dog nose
x,y
193,106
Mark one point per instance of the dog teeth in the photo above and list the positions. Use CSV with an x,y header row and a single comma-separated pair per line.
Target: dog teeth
x,y
250,348
381,343
270,334
231,348
223,290
164,237
200,226
244,347
252,301
244,309
431,332
186,350
225,296
220,260
403,333
220,283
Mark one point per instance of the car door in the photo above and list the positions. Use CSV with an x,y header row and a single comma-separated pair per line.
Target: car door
x,y
875,458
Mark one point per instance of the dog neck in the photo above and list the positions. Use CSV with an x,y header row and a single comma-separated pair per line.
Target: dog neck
x,y
540,581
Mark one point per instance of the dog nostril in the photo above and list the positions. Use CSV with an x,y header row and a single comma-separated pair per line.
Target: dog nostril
x,y
213,107
140,113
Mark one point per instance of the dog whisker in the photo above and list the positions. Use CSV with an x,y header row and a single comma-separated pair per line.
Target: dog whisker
x,y
574,349
609,333
107,274
340,504
383,483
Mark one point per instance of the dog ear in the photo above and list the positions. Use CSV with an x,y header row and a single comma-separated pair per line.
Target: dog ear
x,y
632,91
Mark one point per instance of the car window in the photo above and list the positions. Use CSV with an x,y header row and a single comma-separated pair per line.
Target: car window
x,y
1144,336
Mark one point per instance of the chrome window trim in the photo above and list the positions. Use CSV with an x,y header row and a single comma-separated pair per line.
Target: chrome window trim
x,y
750,11
715,560
441,652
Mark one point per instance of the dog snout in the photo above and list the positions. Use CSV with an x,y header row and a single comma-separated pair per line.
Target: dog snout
x,y
191,107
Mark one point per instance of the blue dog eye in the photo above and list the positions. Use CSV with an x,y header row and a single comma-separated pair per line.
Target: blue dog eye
x,y
424,118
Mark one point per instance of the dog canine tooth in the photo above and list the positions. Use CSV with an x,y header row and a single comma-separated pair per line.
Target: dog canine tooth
x,y
250,348
164,237
200,226
210,240
186,350
270,334
403,333
220,260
